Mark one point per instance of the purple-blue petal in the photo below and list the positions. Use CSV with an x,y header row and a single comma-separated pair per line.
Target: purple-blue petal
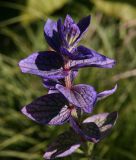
x,y
68,22
70,32
74,74
62,34
81,95
106,93
105,122
79,53
90,58
50,109
88,131
99,119
66,53
53,91
64,145
47,64
82,52
83,25
50,83
51,34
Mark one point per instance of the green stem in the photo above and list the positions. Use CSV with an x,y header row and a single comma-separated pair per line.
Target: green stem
x,y
88,149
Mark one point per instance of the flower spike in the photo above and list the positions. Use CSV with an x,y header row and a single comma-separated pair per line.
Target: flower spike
x,y
66,103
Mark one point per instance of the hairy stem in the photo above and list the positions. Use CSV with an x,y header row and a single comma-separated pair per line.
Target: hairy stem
x,y
68,80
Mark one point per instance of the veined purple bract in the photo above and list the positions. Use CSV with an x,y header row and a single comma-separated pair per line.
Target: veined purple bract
x,y
66,102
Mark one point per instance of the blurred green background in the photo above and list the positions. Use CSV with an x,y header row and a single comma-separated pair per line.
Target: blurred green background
x,y
112,32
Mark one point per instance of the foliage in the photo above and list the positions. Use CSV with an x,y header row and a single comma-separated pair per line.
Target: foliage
x,y
112,8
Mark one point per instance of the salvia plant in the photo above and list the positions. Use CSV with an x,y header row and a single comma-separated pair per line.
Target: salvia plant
x,y
66,102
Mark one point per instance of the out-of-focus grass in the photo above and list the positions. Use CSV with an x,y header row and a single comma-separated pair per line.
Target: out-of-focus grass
x,y
20,138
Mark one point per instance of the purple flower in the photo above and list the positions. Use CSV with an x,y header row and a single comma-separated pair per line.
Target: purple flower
x,y
66,57
83,96
92,129
65,144
96,127
66,102
56,108
65,35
